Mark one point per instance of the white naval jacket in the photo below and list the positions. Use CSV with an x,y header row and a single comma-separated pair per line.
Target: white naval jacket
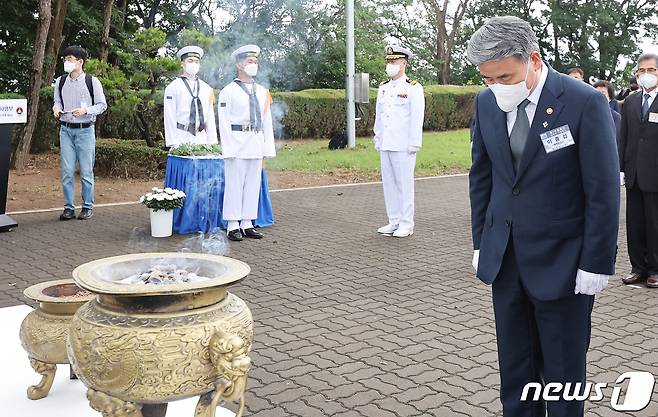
x,y
177,102
400,112
233,109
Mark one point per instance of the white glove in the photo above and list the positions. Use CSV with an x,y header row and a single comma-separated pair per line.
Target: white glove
x,y
590,284
413,149
622,179
476,259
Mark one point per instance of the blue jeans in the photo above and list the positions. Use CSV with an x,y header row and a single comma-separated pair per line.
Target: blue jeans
x,y
77,145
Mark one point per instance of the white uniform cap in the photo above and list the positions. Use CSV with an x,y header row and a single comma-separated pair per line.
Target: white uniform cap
x,y
395,52
244,52
189,51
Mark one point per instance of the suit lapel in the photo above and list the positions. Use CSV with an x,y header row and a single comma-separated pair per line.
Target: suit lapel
x,y
497,136
635,106
546,115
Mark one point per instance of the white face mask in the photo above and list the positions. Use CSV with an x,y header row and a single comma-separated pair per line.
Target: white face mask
x,y
509,96
251,69
392,70
647,81
69,66
192,68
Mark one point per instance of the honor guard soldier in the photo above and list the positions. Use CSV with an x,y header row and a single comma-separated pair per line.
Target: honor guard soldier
x,y
398,136
245,129
189,104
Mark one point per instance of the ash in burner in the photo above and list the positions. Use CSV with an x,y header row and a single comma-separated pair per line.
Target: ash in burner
x,y
163,275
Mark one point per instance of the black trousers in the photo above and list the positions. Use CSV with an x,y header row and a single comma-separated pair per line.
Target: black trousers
x,y
642,230
538,341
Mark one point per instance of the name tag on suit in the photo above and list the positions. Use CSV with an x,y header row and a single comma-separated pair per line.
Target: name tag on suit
x,y
557,139
653,117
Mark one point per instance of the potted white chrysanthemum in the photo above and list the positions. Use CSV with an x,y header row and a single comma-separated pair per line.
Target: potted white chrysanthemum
x,y
161,203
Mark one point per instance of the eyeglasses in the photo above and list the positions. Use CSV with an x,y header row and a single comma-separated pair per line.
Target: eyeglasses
x,y
70,59
647,70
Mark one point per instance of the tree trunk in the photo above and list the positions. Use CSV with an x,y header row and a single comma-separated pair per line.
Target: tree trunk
x,y
22,155
55,39
123,6
105,36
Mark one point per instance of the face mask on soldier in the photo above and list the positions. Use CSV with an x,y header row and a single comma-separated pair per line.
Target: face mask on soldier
x,y
251,69
392,70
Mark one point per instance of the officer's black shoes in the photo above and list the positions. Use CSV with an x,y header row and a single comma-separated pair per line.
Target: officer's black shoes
x,y
235,235
85,214
252,233
67,214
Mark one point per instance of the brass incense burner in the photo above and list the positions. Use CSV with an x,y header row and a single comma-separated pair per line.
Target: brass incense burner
x,y
44,331
139,346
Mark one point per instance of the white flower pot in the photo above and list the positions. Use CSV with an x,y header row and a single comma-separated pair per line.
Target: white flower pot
x,y
162,222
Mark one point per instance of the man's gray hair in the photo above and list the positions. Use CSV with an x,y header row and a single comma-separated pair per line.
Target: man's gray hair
x,y
501,37
646,57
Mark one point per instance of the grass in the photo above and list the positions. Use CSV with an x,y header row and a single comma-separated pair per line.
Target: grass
x,y
442,153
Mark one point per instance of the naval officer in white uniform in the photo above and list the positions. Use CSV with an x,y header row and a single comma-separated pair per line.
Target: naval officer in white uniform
x,y
189,115
398,136
245,130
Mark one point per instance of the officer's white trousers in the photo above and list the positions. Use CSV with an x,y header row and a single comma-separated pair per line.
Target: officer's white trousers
x,y
398,179
242,179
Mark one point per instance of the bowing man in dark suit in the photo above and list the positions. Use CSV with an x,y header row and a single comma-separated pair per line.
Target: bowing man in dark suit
x,y
544,190
638,156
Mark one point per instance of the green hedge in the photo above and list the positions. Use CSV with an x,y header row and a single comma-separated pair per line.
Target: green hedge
x,y
319,113
302,114
129,159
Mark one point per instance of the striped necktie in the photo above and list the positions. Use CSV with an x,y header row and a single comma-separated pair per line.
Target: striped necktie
x,y
645,105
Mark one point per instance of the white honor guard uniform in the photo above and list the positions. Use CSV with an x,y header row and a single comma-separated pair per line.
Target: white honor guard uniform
x,y
398,129
189,102
245,129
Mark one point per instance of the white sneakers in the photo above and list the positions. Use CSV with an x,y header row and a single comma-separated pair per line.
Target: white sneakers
x,y
388,229
403,232
395,231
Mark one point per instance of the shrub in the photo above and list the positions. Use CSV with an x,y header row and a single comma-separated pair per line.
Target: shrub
x,y
129,159
320,113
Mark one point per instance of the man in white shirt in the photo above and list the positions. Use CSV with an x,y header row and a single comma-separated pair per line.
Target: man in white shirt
x,y
245,130
398,136
189,115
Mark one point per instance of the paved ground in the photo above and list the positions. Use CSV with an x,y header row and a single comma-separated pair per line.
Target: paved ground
x,y
349,323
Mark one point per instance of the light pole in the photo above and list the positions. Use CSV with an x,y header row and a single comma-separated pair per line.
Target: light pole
x,y
349,88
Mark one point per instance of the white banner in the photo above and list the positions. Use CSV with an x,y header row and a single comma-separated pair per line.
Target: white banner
x,y
13,111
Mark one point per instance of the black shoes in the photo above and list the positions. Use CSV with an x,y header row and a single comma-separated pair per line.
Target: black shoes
x,y
235,235
85,214
68,214
251,233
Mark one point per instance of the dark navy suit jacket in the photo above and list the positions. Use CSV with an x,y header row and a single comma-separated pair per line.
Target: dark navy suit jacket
x,y
561,208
